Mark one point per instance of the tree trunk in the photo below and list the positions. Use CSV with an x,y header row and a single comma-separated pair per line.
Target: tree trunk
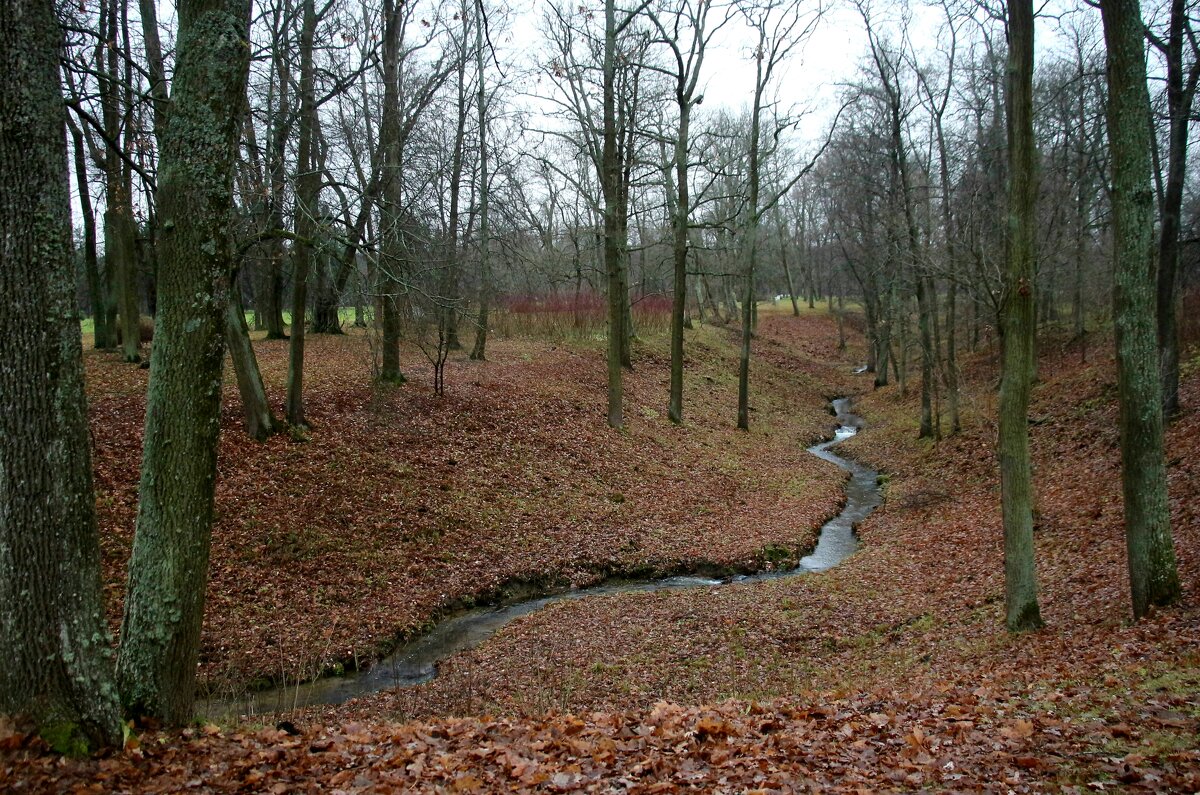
x,y
951,369
750,244
326,299
1016,487
387,284
91,263
168,568
924,315
449,288
682,215
120,261
272,299
53,637
119,233
1153,577
841,320
787,270
952,356
479,350
609,177
308,190
260,422
1179,107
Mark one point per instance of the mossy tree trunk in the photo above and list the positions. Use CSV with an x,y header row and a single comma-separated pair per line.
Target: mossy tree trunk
x,y
1016,487
168,569
121,262
53,637
1153,577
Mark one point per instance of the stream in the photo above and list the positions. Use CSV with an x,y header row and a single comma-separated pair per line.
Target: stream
x,y
416,662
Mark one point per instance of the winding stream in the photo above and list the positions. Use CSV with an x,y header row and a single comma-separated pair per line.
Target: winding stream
x,y
417,661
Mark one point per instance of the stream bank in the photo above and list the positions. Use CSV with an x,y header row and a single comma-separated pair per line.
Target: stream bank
x,y
416,662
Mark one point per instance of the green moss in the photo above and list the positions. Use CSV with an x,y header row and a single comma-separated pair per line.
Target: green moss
x,y
775,553
66,738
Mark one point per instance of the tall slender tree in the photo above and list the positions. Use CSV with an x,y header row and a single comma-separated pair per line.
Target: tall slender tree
x,y
686,34
308,191
1181,91
1153,577
1016,481
614,246
479,349
779,27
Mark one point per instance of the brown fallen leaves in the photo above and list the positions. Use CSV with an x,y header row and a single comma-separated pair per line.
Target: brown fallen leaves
x,y
400,505
891,672
920,606
861,743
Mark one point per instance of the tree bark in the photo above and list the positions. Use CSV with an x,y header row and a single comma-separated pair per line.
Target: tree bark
x,y
53,636
308,190
1016,488
609,177
273,294
479,350
168,569
327,300
1179,107
1153,577
387,282
91,263
450,277
260,421
119,232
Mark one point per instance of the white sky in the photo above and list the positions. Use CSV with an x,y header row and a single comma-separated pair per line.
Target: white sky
x,y
814,76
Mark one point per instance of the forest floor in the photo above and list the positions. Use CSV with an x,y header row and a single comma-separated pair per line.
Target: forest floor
x,y
398,506
892,671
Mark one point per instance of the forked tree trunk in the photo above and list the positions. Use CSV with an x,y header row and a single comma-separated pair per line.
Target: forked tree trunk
x,y
53,636
168,569
1153,577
